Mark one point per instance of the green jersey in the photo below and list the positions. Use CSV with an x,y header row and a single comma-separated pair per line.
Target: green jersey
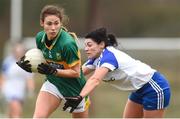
x,y
63,51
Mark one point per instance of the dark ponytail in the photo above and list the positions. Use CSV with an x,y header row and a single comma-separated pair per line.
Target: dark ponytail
x,y
100,35
111,40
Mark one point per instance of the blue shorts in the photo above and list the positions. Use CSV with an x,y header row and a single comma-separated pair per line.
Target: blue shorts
x,y
154,95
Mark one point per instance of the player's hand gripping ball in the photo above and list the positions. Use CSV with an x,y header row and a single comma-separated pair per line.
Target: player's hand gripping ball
x,y
31,60
24,64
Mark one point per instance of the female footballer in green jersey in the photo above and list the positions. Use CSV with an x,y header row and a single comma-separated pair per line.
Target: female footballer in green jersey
x,y
63,72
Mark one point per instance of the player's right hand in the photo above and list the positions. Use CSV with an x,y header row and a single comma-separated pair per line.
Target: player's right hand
x,y
72,102
24,64
46,69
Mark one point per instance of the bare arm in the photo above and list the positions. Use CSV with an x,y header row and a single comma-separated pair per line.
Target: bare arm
x,y
94,80
30,85
86,70
1,81
73,72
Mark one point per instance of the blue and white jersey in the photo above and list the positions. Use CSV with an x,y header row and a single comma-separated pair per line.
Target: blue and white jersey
x,y
15,79
125,73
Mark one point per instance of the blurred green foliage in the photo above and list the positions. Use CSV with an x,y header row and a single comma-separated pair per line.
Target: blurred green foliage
x,y
125,18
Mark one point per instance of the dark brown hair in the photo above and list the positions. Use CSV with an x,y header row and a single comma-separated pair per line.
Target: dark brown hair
x,y
53,10
100,35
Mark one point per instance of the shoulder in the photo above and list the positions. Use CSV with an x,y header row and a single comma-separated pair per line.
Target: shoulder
x,y
113,53
67,36
9,59
7,62
39,37
67,41
40,34
109,53
108,58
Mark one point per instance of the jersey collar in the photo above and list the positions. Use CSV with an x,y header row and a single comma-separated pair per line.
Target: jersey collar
x,y
54,42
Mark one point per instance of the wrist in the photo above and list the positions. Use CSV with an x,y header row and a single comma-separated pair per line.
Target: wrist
x,y
55,72
80,97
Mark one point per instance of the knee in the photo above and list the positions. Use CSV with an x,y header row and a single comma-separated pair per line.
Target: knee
x,y
40,114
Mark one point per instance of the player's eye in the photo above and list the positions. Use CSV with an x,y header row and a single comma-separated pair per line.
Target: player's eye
x,y
56,23
49,23
89,44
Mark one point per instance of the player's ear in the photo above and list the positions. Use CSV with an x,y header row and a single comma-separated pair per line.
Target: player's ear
x,y
102,45
41,23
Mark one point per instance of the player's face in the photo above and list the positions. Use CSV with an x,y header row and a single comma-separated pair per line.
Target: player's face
x,y
18,51
51,26
93,50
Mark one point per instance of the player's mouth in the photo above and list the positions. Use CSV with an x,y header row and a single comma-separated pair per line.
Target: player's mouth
x,y
89,55
53,33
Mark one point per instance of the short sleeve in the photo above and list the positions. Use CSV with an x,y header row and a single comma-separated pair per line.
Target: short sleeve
x,y
108,60
71,54
38,38
7,63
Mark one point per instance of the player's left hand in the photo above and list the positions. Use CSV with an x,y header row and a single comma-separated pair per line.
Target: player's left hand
x,y
46,69
24,64
72,102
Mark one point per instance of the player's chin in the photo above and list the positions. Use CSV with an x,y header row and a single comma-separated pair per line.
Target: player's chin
x,y
53,36
90,57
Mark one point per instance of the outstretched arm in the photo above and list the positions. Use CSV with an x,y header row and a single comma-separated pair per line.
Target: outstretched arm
x,y
94,80
86,70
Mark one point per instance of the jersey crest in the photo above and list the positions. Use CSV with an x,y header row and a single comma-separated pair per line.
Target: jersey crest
x,y
50,54
58,56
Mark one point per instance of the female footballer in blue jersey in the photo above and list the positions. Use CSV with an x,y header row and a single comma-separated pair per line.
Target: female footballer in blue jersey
x,y
150,89
15,82
64,76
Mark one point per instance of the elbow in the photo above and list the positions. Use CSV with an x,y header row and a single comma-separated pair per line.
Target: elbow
x,y
77,75
96,81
